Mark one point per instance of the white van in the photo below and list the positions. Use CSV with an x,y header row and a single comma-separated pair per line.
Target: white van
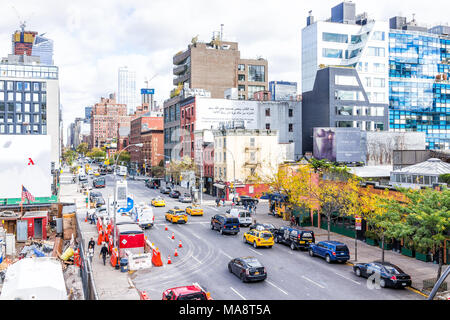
x,y
244,216
144,216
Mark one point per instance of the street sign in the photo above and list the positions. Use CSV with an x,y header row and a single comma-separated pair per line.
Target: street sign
x,y
147,91
358,221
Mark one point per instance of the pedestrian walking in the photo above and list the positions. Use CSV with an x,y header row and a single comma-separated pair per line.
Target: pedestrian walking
x,y
91,244
223,200
103,253
217,202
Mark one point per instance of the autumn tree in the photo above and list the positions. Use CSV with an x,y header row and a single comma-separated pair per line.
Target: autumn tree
x,y
82,148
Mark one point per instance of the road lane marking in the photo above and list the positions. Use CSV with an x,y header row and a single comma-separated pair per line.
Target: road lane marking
x,y
417,291
256,252
197,260
226,255
312,281
347,278
238,293
277,287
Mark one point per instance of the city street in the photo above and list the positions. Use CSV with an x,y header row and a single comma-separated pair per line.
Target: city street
x,y
205,255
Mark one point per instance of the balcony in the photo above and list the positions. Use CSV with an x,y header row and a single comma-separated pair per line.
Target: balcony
x,y
181,79
180,69
180,57
249,148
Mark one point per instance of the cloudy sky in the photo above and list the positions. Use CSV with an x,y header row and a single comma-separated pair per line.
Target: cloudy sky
x,y
93,38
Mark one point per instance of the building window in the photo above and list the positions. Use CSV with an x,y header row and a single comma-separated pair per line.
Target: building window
x,y
241,87
256,73
252,142
252,156
291,113
241,67
334,37
375,52
267,126
344,124
379,82
291,127
378,35
332,53
349,95
267,112
345,80
253,89
241,77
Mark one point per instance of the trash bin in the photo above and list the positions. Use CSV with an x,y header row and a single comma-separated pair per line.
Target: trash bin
x,y
124,265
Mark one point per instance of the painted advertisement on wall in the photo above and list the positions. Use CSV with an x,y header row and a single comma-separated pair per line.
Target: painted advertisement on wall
x,y
337,144
210,113
25,160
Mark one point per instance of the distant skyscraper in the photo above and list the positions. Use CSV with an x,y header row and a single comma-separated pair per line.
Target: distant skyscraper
x,y
127,93
32,44
43,48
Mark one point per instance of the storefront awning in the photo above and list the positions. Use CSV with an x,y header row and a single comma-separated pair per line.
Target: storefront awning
x,y
220,186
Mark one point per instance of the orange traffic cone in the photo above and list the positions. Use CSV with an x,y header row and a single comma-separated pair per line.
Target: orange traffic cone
x,y
169,261
176,253
173,235
165,228
85,219
180,245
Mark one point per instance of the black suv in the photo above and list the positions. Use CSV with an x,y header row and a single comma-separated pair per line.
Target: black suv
x,y
175,194
294,237
225,223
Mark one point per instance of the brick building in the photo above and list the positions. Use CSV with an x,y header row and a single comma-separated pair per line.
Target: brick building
x,y
147,129
107,115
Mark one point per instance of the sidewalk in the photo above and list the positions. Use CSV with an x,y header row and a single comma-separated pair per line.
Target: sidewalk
x,y
418,270
111,284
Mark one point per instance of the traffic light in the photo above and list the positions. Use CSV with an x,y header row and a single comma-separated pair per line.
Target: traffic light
x,y
181,177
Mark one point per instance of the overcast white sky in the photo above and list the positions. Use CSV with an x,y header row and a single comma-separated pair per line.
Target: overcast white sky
x,y
93,38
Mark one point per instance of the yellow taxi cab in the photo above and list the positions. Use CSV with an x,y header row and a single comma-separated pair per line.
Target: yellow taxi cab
x,y
259,238
176,216
194,210
158,202
96,173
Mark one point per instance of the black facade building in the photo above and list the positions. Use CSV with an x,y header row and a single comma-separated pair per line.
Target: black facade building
x,y
339,100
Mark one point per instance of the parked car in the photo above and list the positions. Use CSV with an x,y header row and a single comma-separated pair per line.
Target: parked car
x,y
192,292
263,238
243,200
176,216
244,216
175,194
390,274
247,269
185,198
330,250
99,202
263,226
225,223
165,190
152,183
194,210
93,195
295,238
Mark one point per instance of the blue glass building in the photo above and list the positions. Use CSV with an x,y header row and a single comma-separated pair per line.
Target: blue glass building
x,y
419,86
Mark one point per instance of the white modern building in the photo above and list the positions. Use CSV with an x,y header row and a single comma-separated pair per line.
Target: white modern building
x,y
43,48
127,92
30,100
347,39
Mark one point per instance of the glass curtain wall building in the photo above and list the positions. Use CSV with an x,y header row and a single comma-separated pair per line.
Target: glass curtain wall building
x,y
127,93
419,89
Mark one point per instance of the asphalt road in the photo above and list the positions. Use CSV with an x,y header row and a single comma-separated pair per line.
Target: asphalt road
x,y
292,275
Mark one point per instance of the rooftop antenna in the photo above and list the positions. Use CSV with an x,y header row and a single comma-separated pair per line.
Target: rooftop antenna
x,y
414,17
221,32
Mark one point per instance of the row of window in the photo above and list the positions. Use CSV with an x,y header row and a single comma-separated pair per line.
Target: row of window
x,y
341,54
19,118
363,125
416,179
255,73
22,86
23,129
19,96
344,38
23,107
290,112
360,111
